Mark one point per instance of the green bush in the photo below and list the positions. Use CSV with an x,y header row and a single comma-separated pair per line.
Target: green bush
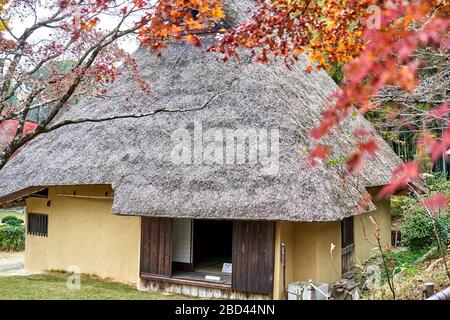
x,y
418,231
400,205
403,205
437,182
12,238
12,221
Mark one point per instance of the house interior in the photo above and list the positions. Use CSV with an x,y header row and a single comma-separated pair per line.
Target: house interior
x,y
202,250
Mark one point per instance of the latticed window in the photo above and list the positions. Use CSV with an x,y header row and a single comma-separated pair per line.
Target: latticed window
x,y
347,232
37,224
348,244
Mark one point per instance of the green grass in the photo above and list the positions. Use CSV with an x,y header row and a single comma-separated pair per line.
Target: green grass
x,y
405,259
53,286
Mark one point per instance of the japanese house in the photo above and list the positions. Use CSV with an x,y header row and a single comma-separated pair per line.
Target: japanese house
x,y
109,198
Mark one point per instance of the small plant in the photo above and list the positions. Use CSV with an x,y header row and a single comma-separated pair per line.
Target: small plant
x,y
12,238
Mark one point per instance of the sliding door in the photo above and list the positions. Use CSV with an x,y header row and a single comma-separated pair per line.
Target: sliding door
x,y
156,246
253,256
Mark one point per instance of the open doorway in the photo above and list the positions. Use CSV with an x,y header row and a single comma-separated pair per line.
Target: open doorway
x,y
203,250
212,244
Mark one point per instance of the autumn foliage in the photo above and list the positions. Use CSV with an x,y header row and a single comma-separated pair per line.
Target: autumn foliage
x,y
374,41
177,20
53,54
9,128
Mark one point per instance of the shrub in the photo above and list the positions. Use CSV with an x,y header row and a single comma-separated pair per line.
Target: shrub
x,y
400,205
12,220
437,182
418,231
15,223
12,238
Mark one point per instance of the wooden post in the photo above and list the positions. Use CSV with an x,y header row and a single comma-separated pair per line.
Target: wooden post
x,y
428,289
311,290
283,267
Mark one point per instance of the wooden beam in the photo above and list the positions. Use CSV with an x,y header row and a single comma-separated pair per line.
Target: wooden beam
x,y
85,197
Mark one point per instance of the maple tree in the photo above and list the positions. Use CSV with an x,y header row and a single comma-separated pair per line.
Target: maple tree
x,y
63,54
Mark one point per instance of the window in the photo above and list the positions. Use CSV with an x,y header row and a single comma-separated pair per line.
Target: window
x,y
348,245
37,224
347,232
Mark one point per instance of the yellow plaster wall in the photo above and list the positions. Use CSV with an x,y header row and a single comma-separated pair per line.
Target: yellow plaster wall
x,y
284,233
308,247
82,232
365,231
307,253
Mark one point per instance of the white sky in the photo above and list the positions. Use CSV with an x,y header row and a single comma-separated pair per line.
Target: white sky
x,y
107,22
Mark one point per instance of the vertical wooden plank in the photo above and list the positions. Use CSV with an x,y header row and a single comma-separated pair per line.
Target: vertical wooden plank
x,y
169,247
161,246
347,245
240,268
145,249
270,257
39,224
46,225
41,229
29,223
156,246
253,267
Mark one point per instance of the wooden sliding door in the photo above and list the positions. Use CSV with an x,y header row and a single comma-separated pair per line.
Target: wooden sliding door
x,y
156,246
253,256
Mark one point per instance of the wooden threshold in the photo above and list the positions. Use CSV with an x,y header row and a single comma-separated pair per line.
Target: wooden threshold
x,y
176,280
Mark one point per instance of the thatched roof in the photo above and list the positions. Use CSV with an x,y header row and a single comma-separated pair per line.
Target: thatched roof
x,y
134,155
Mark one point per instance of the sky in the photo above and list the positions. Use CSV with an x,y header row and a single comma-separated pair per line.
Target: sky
x,y
107,22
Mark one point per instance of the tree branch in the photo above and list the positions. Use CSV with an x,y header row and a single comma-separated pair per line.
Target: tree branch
x,y
134,116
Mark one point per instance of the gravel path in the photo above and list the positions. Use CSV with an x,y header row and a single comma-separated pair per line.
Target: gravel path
x,y
11,261
12,264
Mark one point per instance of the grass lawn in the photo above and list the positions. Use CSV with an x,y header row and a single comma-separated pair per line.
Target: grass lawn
x,y
52,286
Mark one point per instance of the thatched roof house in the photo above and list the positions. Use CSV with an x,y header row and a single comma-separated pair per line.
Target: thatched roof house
x,y
133,156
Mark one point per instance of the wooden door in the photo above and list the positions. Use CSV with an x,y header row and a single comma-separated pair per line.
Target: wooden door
x,y
156,246
348,245
253,256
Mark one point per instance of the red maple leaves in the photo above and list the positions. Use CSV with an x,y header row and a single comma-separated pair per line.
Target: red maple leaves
x,y
403,175
318,154
374,57
9,128
437,203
